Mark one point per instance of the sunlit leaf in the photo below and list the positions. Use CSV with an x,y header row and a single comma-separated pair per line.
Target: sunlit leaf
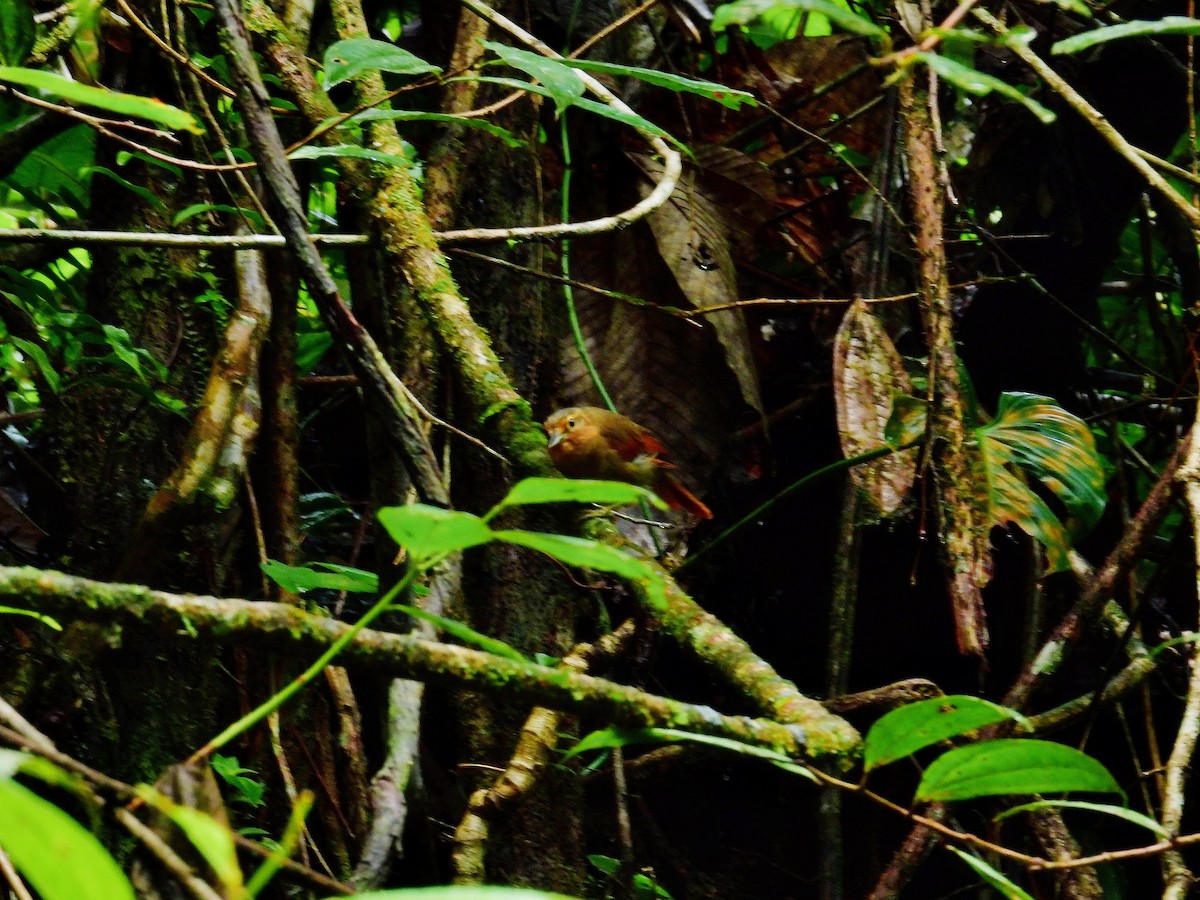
x,y
102,98
298,579
578,490
39,358
46,620
427,531
213,839
1138,28
914,726
57,856
991,876
350,58
1017,766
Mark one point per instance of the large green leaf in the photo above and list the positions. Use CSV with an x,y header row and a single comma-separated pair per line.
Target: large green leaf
x,y
59,857
211,838
1017,766
910,728
298,579
563,85
101,98
1139,28
349,58
427,531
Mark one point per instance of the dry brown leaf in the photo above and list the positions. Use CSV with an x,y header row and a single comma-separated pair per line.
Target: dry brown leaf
x,y
868,374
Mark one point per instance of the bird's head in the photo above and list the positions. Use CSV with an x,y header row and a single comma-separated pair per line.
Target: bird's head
x,y
567,429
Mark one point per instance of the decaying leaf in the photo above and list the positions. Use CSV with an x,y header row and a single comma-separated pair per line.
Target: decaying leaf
x,y
868,376
693,232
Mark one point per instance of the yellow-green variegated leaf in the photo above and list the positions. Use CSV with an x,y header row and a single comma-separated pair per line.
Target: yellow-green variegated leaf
x,y
1055,447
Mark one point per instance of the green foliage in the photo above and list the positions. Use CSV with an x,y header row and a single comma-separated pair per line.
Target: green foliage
x,y
915,726
57,856
211,838
246,790
1121,812
1012,766
455,892
1140,28
1057,448
16,31
348,59
319,575
743,12
709,90
644,887
993,877
980,84
531,491
616,736
110,101
48,621
464,633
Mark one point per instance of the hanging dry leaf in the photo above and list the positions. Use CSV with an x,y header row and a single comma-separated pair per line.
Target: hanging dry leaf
x,y
868,375
693,232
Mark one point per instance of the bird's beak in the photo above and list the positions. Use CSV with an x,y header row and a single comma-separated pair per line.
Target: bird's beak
x,y
555,438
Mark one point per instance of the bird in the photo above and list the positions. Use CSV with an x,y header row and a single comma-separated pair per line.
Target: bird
x,y
590,442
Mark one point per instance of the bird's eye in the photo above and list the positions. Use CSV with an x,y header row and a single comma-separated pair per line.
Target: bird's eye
x,y
570,423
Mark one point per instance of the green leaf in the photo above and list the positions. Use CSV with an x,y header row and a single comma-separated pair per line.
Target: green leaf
x,y
616,736
1057,447
211,838
1011,500
581,490
16,31
915,726
251,215
1121,812
711,90
411,115
59,857
102,98
633,120
581,552
1017,766
742,12
588,554
990,875
456,892
428,531
1138,28
249,790
562,84
352,151
298,579
350,58
39,359
464,633
980,84
46,620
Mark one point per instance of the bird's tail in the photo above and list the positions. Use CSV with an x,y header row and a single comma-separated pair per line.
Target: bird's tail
x,y
679,497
